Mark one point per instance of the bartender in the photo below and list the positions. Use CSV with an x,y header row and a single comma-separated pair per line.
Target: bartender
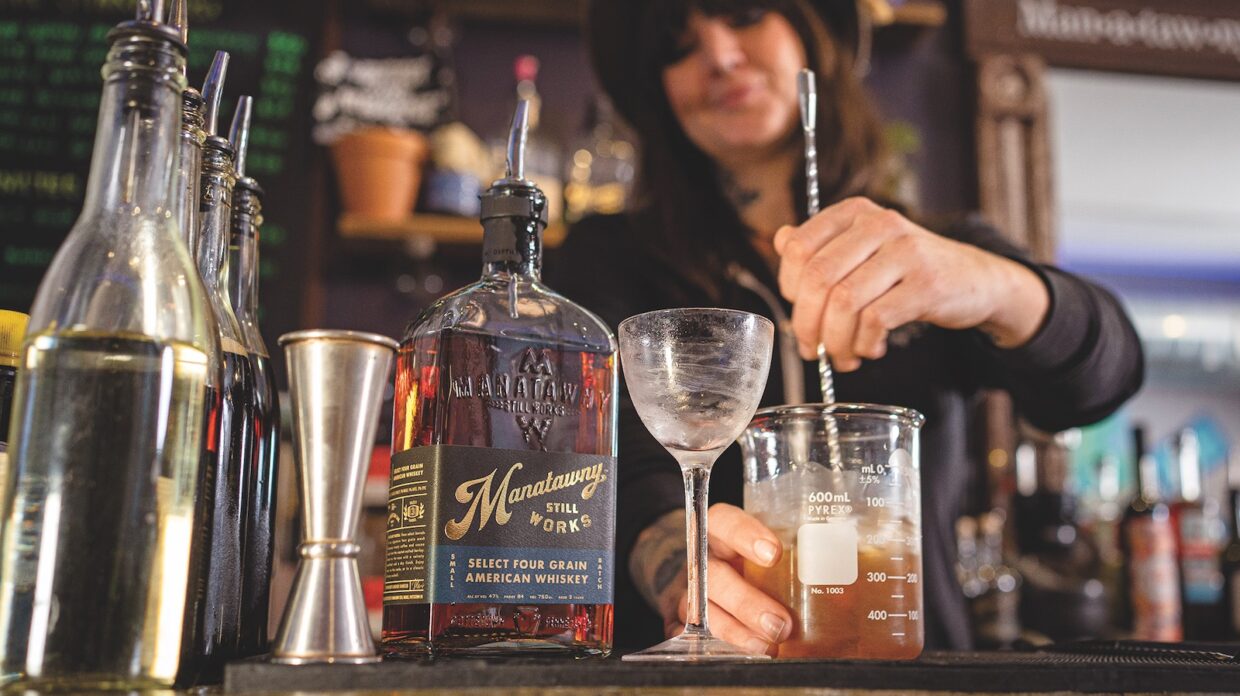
x,y
910,316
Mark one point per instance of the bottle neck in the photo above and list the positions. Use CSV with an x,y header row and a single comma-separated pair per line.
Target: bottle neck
x,y
215,214
136,149
1147,479
243,251
514,214
512,247
189,171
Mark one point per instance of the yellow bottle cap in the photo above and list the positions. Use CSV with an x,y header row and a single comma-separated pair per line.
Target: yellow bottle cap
x,y
12,330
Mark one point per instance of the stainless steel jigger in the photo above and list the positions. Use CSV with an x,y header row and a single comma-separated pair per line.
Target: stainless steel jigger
x,y
337,380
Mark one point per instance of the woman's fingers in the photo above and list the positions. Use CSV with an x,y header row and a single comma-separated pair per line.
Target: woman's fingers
x,y
757,610
832,265
899,306
797,245
735,533
739,612
850,297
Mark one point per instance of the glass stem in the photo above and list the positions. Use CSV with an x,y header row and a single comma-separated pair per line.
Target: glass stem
x,y
696,504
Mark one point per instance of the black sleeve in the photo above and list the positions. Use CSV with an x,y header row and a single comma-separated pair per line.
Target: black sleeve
x,y
1082,363
599,268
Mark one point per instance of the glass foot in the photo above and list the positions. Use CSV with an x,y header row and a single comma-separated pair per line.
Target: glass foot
x,y
693,648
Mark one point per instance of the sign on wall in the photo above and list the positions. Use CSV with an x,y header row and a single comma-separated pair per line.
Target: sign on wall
x,y
1188,38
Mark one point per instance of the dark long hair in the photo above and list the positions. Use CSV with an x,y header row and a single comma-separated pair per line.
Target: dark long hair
x,y
697,229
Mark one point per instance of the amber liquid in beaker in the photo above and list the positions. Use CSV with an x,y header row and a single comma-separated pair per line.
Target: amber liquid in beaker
x,y
878,617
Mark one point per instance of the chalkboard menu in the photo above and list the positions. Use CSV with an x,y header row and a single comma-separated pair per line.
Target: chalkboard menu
x,y
51,52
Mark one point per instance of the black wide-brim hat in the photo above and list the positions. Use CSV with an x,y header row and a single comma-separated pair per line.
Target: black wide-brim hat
x,y
612,27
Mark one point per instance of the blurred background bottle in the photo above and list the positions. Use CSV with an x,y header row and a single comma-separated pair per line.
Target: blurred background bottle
x,y
1104,529
1147,539
996,609
1229,558
1200,534
602,167
1061,595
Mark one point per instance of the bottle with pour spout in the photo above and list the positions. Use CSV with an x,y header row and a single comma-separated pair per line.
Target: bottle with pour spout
x,y
104,447
260,493
505,391
215,611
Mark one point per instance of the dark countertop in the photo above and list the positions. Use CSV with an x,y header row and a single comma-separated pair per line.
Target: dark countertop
x,y
978,672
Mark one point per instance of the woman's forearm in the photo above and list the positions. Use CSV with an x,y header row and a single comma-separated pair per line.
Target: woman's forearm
x,y
658,559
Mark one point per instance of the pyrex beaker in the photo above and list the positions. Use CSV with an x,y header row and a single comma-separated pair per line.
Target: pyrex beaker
x,y
839,486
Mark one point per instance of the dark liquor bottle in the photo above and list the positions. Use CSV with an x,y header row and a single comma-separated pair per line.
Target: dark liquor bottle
x,y
1147,539
502,491
12,329
215,612
98,494
1229,559
260,494
185,208
1200,534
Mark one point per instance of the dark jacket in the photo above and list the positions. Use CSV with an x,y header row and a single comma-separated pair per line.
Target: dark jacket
x,y
1081,365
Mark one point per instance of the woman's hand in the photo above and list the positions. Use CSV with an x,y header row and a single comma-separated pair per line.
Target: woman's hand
x,y
856,271
738,612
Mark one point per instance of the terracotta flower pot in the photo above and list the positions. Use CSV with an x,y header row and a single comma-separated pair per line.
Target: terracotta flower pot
x,y
379,170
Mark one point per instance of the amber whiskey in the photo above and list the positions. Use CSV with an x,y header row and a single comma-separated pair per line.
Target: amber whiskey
x,y
502,491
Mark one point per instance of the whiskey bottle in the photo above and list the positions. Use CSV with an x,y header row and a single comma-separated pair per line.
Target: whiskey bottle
x,y
260,494
215,611
502,491
1200,535
1151,574
98,494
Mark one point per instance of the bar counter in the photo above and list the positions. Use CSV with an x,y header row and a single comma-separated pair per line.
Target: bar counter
x,y
935,672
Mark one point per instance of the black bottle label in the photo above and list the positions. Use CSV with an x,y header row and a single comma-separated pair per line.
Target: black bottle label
x,y
478,524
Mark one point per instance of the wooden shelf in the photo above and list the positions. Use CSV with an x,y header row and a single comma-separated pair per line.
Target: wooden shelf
x,y
444,229
922,13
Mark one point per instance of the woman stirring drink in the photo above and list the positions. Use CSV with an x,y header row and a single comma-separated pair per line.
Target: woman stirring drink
x,y
909,316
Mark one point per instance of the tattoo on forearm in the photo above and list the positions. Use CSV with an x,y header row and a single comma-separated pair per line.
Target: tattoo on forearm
x,y
666,573
658,558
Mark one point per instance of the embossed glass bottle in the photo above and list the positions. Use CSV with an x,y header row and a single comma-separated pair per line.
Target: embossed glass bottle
x,y
502,493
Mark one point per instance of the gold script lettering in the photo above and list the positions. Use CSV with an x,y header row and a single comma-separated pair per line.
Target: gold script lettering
x,y
477,492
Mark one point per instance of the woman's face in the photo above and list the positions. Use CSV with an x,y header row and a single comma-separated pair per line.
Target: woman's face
x,y
732,85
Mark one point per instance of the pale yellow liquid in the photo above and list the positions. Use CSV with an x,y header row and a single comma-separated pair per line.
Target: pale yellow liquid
x,y
98,510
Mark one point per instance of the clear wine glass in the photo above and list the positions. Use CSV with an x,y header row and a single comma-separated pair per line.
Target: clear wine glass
x,y
696,377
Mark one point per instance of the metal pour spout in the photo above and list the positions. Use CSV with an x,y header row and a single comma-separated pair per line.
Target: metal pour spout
x,y
213,91
150,11
239,133
178,19
517,137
